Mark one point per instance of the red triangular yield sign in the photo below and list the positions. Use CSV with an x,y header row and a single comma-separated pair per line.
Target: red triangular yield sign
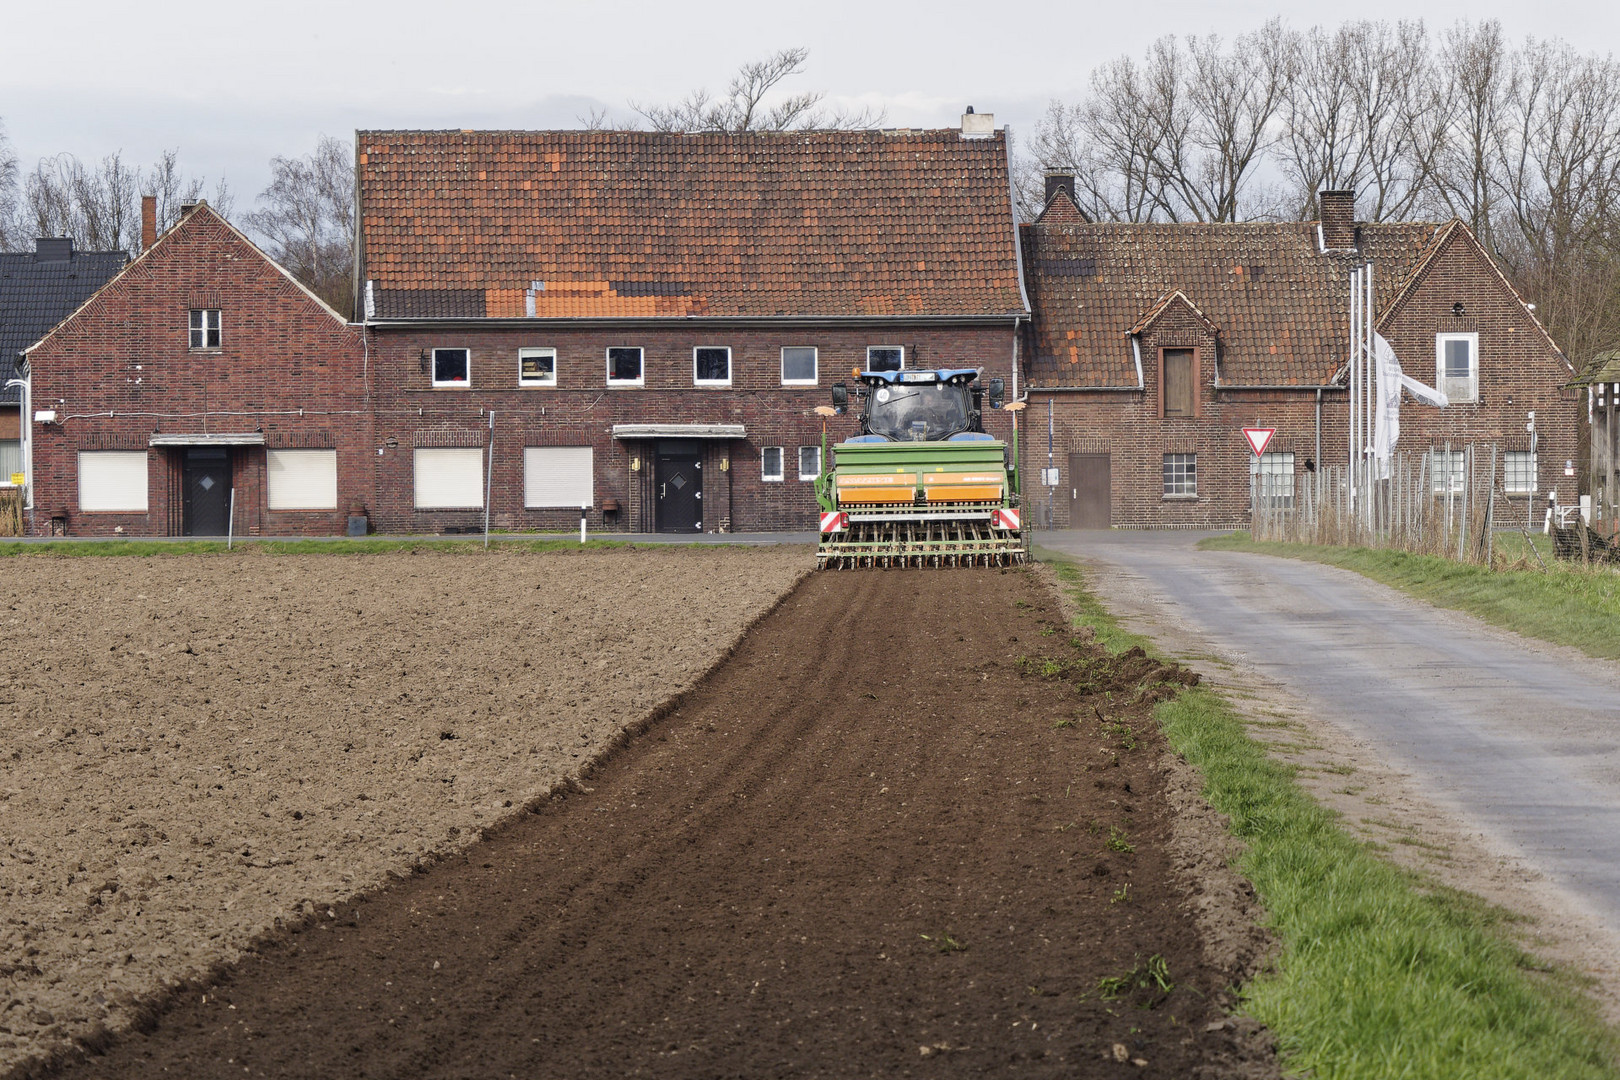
x,y
1259,438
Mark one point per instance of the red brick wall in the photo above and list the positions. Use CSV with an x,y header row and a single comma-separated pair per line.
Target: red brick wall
x,y
582,410
1518,373
122,370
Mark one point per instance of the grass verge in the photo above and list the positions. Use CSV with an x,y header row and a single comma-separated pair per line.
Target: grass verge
x,y
1569,605
1383,973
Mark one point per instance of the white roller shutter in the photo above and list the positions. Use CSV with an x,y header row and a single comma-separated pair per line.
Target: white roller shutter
x,y
302,479
112,480
449,479
557,476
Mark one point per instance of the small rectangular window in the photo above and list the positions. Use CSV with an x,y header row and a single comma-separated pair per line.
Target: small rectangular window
x,y
799,365
1457,361
452,367
809,462
1519,472
711,365
770,463
537,367
205,328
1274,480
885,357
1180,475
1446,471
624,366
1180,393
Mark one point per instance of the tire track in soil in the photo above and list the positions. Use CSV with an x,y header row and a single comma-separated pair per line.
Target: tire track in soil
x,y
744,889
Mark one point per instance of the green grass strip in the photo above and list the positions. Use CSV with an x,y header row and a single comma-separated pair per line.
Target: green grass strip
x,y
1382,973
1569,605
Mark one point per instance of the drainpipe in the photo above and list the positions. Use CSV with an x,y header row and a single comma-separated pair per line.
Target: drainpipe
x,y
1318,427
26,427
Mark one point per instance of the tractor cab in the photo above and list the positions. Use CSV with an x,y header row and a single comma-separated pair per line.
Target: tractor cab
x,y
920,406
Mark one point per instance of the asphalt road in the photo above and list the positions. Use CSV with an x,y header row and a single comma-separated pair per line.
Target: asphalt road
x,y
1519,738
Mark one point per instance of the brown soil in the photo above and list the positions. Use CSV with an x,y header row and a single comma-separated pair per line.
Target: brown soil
x,y
908,829
195,750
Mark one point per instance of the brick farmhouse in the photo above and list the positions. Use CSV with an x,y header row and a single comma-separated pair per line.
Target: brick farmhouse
x,y
1154,345
638,326
642,324
200,378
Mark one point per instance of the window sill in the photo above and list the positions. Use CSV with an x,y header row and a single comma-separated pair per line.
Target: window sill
x,y
206,350
611,385
452,386
1178,498
537,386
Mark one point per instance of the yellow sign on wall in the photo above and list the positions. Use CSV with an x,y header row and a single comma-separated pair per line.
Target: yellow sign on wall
x,y
19,478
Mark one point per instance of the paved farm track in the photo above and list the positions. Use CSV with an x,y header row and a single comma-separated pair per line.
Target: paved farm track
x,y
1515,738
874,843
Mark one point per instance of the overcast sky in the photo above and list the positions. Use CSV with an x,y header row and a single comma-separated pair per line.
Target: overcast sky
x,y
230,85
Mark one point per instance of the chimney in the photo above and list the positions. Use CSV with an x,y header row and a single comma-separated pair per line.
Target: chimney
x,y
1056,181
186,208
148,221
53,249
978,125
1338,209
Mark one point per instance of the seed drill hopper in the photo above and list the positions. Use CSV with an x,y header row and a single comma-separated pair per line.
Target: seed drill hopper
x,y
923,484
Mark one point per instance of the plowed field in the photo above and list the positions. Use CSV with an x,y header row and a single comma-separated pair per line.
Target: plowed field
x,y
911,827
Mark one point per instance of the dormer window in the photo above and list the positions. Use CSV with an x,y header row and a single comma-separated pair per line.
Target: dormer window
x,y
205,328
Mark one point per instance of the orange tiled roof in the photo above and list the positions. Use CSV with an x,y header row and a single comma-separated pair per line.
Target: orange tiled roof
x,y
610,223
1278,305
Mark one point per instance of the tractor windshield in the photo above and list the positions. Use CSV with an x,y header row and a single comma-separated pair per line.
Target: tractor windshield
x,y
919,412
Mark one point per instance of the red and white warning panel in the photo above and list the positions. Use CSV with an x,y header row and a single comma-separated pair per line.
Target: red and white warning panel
x,y
837,521
1259,438
1005,519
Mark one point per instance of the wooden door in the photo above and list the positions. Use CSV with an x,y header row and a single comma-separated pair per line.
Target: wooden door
x,y
678,500
1089,491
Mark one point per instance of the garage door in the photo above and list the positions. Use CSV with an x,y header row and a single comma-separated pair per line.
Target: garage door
x,y
450,479
112,480
557,476
302,479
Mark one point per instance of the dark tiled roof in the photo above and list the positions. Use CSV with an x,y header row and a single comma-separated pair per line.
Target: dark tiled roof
x,y
1280,307
37,293
634,224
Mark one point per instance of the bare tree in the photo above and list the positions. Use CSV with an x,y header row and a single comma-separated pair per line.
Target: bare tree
x,y
306,220
745,107
99,207
1464,125
1353,117
11,238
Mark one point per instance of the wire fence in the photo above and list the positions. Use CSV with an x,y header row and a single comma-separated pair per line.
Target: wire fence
x,y
1445,501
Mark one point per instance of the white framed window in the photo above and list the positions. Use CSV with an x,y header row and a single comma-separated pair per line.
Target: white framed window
x,y
1457,366
112,480
1180,476
799,365
537,367
301,479
885,357
1274,480
770,463
809,462
558,476
711,365
1446,471
1519,472
449,478
624,367
205,328
452,367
